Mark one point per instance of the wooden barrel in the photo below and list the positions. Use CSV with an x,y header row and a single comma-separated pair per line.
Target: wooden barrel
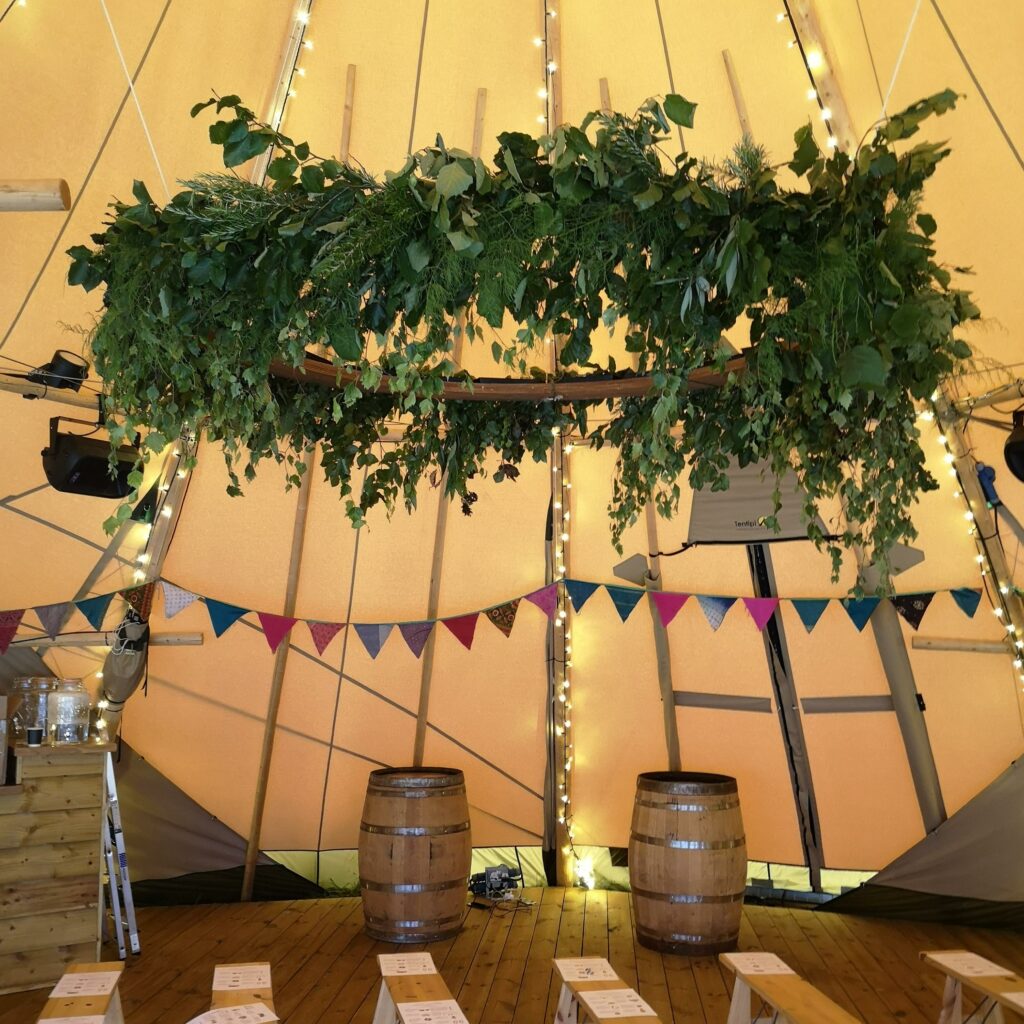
x,y
687,862
414,853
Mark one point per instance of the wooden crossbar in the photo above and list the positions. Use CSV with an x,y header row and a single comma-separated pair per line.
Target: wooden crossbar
x,y
400,992
245,994
573,1007
105,1006
796,1000
1000,991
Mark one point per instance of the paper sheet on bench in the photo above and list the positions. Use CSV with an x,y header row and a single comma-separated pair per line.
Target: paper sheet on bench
x,y
399,964
227,978
433,1011
616,1002
88,983
75,1020
586,968
760,963
251,1013
969,964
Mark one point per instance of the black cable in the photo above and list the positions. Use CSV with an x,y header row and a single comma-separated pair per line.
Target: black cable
x,y
7,10
871,53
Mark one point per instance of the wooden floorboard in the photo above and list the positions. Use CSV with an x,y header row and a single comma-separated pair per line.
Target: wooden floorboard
x,y
499,965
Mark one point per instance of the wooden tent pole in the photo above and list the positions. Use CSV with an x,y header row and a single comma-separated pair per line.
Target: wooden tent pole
x,y
346,118
17,385
19,195
737,94
441,522
252,849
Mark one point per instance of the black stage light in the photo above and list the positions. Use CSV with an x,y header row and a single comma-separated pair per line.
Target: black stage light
x,y
79,464
65,370
1013,450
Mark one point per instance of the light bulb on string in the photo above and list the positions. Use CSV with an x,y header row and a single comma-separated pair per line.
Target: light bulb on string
x,y
814,59
812,94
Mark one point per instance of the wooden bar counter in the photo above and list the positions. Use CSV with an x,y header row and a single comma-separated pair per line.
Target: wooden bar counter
x,y
51,858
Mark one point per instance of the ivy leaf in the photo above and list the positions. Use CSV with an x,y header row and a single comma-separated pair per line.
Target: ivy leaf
x,y
926,222
282,167
453,180
646,199
312,178
199,107
806,152
862,367
419,254
680,110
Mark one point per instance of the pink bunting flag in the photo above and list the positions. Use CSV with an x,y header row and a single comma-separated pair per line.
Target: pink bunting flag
x,y
9,623
275,627
323,633
546,599
761,609
462,628
668,605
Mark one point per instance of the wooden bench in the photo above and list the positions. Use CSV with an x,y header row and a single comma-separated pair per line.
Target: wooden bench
x,y
1001,989
87,990
778,985
242,985
411,991
585,980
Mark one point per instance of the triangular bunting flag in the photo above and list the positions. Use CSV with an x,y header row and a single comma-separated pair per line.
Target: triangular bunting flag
x,y
761,609
715,608
859,609
504,616
668,605
373,635
175,599
625,599
275,627
912,607
141,599
967,600
223,616
810,609
94,608
53,616
323,633
416,635
546,599
579,593
9,623
463,627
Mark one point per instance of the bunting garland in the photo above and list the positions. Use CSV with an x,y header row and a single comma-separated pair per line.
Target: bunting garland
x,y
9,623
504,615
668,604
860,609
810,609
625,599
761,609
275,628
94,608
912,607
175,599
53,616
416,635
323,633
715,608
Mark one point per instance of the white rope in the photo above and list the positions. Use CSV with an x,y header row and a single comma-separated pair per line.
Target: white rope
x,y
135,97
899,60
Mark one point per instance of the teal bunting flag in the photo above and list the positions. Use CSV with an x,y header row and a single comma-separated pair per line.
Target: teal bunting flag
x,y
810,609
223,616
95,608
860,609
967,600
625,599
579,592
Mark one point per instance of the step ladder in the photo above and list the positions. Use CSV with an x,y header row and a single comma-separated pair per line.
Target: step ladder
x,y
119,885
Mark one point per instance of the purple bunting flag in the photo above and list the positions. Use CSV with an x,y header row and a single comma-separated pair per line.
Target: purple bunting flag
x,y
416,635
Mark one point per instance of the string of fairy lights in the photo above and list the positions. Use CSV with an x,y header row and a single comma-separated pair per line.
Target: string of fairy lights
x,y
814,64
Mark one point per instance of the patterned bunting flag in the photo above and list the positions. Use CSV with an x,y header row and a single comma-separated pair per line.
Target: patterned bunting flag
x,y
625,599
94,608
579,593
715,608
668,605
175,599
53,616
463,627
141,599
9,623
967,600
374,635
546,599
859,609
323,633
912,607
504,616
810,609
416,635
761,609
275,628
223,616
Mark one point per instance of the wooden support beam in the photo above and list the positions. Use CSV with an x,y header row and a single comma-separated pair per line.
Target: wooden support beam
x,y
20,195
346,117
942,643
15,385
552,13
106,639
252,849
441,521
606,97
737,95
1007,393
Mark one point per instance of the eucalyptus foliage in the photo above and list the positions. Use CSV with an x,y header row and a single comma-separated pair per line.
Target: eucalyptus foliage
x,y
851,318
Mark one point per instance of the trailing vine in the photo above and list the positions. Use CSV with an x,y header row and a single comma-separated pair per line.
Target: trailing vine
x,y
851,317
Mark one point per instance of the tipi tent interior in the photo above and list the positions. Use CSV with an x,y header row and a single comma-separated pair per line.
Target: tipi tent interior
x,y
874,742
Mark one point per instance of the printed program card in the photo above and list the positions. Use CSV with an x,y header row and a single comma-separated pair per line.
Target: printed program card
x,y
586,968
88,983
760,963
75,1020
435,1011
610,1003
969,964
251,1013
247,976
396,965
